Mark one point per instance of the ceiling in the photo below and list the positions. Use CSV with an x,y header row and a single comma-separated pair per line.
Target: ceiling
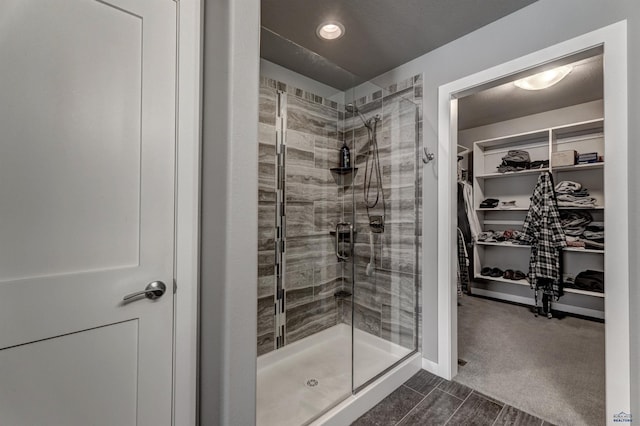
x,y
384,34
505,101
379,34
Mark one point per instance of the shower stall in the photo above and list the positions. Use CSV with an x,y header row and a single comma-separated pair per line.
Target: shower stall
x,y
339,242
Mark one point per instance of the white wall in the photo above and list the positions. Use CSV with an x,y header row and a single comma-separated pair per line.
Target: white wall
x,y
557,117
540,25
229,221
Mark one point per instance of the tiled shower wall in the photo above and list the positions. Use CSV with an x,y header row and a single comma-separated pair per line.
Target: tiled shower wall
x,y
385,301
312,209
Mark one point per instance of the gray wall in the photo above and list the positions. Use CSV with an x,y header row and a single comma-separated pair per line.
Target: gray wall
x,y
542,24
229,212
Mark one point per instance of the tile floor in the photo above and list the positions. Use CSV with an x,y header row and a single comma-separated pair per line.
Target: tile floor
x,y
427,400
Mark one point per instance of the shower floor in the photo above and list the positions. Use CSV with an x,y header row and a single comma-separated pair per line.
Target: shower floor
x,y
304,379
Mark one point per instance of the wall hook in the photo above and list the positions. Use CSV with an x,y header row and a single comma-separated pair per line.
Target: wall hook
x,y
427,156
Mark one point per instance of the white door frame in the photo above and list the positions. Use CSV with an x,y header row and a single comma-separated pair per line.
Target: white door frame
x,y
614,40
187,225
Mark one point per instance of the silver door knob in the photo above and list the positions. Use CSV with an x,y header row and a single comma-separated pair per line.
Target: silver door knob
x,y
153,290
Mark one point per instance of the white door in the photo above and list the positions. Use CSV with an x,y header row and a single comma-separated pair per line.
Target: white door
x,y
87,143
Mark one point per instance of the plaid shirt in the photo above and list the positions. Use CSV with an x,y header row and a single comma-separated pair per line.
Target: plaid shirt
x,y
543,230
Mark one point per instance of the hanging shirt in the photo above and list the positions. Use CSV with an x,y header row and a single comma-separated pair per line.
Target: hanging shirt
x,y
543,230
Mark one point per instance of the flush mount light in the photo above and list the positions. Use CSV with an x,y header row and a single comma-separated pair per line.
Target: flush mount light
x,y
544,79
330,30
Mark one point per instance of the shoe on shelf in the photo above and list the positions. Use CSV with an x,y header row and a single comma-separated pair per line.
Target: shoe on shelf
x,y
486,271
496,272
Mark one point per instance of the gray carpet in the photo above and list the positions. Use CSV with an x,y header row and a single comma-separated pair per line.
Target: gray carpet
x,y
551,368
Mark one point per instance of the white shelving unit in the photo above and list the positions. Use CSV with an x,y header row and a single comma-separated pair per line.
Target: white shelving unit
x,y
518,186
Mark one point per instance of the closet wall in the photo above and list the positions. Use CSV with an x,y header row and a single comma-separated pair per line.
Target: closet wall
x,y
582,112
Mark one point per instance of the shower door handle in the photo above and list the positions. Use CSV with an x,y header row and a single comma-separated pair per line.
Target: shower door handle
x,y
338,226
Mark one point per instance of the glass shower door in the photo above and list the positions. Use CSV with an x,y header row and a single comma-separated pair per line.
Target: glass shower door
x,y
383,128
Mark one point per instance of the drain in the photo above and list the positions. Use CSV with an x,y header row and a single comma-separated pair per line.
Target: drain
x,y
312,383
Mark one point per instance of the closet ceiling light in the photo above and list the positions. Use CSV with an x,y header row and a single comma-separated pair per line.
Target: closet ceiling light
x,y
544,79
330,30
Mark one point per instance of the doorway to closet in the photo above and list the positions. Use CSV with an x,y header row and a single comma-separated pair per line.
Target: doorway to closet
x,y
552,365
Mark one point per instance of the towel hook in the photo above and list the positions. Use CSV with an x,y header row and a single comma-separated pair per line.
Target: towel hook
x,y
427,156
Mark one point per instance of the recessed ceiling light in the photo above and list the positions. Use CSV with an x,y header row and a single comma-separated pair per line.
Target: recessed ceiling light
x,y
544,79
330,30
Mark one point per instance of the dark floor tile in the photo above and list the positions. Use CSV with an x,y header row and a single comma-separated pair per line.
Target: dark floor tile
x,y
495,401
510,416
477,411
454,388
434,410
423,382
548,424
391,409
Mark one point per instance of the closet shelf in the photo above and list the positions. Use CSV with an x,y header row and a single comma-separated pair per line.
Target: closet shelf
x,y
580,208
511,174
582,250
585,292
501,244
500,209
578,167
509,245
502,280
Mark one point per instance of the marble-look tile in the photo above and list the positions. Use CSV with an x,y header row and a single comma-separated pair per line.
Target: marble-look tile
x,y
344,311
302,141
267,106
299,278
548,424
266,263
398,326
266,321
327,157
266,229
266,343
308,319
423,382
309,184
366,319
309,252
510,416
266,286
310,117
300,218
326,214
476,410
267,134
297,297
300,149
327,290
434,410
328,273
454,388
391,409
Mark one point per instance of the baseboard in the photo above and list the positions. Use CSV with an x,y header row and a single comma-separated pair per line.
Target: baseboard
x,y
431,367
527,301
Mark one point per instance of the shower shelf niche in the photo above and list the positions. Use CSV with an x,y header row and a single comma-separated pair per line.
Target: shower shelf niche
x,y
343,175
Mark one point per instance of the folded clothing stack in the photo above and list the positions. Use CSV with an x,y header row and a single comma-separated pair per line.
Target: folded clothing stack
x,y
587,280
515,160
572,194
579,231
510,236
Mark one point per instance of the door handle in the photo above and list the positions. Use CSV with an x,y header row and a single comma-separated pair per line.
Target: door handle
x,y
152,291
338,226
